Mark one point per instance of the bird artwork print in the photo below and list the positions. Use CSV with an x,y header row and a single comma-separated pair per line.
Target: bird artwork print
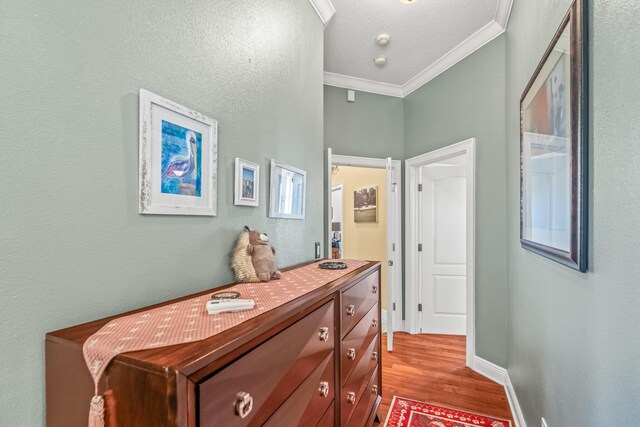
x,y
181,173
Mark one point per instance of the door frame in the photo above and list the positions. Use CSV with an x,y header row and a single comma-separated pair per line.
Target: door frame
x,y
334,188
412,266
393,230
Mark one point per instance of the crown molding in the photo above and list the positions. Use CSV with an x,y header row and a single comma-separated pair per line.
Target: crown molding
x,y
474,42
471,44
503,12
364,85
324,9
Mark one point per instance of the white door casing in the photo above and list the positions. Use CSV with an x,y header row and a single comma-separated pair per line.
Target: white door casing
x,y
443,256
412,255
393,265
336,209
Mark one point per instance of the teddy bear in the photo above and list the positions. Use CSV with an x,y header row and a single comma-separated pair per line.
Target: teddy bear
x,y
262,256
253,258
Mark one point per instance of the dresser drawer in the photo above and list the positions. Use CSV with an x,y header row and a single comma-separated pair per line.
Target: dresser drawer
x,y
259,382
329,417
358,340
357,382
307,405
358,299
368,399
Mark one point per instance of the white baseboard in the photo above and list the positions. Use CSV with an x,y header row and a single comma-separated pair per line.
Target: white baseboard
x,y
500,375
513,403
490,370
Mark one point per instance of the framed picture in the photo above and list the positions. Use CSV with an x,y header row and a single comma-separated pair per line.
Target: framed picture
x,y
365,205
247,183
178,159
287,191
553,151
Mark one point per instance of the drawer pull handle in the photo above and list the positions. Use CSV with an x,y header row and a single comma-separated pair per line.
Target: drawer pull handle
x,y
324,334
351,310
374,389
374,289
374,323
351,353
351,397
374,355
244,404
324,389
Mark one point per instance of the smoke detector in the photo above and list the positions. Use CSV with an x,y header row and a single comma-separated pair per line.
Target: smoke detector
x,y
380,60
383,39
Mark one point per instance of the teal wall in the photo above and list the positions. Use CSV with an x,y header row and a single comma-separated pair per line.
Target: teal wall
x,y
370,127
467,101
573,339
73,245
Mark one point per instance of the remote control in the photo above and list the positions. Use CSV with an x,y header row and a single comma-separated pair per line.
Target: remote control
x,y
229,305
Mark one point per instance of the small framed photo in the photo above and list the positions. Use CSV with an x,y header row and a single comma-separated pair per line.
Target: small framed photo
x,y
287,191
365,205
247,183
178,159
553,148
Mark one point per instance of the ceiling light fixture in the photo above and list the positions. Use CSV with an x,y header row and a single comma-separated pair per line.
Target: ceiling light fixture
x,y
407,1
383,39
380,60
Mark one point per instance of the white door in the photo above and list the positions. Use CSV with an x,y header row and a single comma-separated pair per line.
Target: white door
x,y
443,243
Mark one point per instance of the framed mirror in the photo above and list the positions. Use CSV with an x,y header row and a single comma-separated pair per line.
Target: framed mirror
x,y
287,191
553,151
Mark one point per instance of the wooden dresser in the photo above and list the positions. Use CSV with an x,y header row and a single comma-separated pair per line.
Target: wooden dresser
x,y
314,361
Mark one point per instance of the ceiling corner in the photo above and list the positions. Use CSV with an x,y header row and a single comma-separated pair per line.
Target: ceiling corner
x,y
364,85
474,42
324,9
503,11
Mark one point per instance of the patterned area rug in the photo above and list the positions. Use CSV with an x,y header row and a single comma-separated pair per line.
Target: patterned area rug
x,y
411,413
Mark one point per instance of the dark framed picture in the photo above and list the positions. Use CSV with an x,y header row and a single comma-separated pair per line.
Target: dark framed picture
x,y
365,204
553,148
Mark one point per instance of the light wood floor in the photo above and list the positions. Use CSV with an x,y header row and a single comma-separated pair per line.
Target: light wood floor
x,y
431,368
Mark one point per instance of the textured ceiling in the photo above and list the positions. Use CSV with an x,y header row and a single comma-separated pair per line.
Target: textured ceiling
x,y
421,33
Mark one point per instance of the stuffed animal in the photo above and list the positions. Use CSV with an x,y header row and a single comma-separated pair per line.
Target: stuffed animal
x,y
253,255
262,256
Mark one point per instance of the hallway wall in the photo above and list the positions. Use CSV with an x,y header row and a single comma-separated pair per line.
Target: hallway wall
x,y
573,345
467,101
74,247
370,127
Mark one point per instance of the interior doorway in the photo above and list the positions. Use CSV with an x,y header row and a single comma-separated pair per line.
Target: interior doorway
x,y
442,224
440,251
337,222
369,225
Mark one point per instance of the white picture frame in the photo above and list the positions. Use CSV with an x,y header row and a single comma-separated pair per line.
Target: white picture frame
x,y
287,192
178,164
247,183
